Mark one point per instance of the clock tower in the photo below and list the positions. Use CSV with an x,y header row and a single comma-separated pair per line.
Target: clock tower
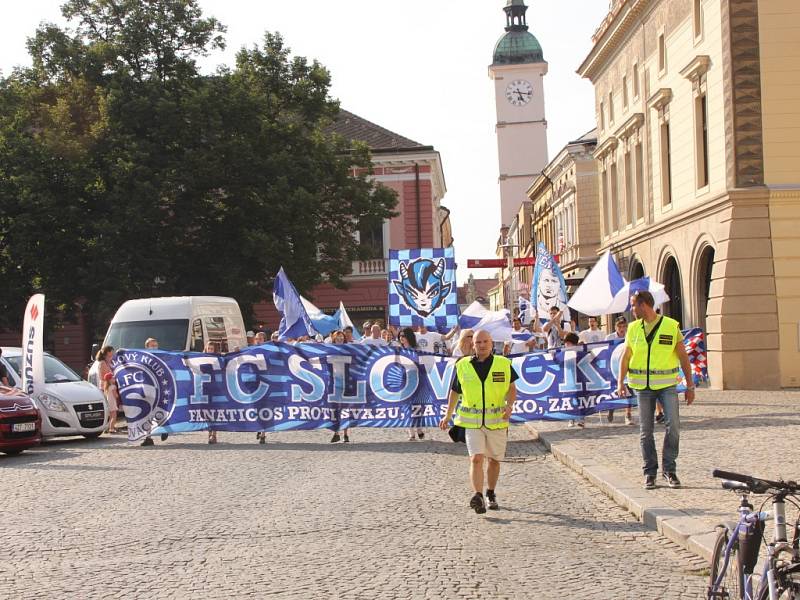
x,y
518,69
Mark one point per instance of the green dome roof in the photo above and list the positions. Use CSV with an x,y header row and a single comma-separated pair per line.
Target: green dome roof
x,y
517,47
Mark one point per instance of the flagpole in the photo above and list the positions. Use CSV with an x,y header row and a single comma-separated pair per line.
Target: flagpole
x,y
510,267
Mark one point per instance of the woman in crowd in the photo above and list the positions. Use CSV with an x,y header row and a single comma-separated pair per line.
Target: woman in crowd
x,y
408,340
464,344
211,348
337,337
108,385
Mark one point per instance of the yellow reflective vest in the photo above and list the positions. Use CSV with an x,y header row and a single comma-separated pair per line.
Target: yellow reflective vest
x,y
654,365
483,402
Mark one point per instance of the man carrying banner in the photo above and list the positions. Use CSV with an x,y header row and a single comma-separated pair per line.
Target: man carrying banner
x,y
485,383
654,350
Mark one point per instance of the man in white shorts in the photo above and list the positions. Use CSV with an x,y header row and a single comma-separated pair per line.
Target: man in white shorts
x,y
485,383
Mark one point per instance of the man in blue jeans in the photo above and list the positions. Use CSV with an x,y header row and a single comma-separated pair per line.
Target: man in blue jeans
x,y
653,352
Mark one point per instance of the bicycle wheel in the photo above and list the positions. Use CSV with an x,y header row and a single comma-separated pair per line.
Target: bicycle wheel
x,y
731,585
788,583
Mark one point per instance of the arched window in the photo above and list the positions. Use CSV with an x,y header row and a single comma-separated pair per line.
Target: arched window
x,y
674,289
703,284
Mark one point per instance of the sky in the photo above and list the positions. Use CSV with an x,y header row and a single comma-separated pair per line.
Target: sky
x,y
416,67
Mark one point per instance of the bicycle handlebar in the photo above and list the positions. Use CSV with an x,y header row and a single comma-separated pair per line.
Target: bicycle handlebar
x,y
757,485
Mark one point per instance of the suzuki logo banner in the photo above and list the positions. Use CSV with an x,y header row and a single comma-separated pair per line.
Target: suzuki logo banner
x,y
280,387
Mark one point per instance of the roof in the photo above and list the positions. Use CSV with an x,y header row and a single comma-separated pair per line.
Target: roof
x,y
589,136
517,47
352,127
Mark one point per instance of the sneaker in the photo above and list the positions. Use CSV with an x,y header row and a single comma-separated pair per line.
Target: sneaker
x,y
335,438
476,503
164,437
610,416
628,420
346,439
649,482
571,423
492,498
660,418
672,480
421,435
581,424
148,441
411,438
262,438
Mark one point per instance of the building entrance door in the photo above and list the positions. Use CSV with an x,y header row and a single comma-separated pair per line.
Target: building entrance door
x,y
672,284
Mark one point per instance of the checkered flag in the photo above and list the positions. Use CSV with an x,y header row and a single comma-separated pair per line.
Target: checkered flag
x,y
422,288
695,343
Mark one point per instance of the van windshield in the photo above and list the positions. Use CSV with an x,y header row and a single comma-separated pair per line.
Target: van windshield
x,y
171,334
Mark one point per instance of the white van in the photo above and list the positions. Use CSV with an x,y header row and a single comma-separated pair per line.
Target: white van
x,y
69,405
180,324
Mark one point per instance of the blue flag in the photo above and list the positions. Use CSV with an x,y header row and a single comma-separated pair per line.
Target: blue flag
x,y
294,320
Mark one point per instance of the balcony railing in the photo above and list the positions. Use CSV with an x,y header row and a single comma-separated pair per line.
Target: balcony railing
x,y
369,268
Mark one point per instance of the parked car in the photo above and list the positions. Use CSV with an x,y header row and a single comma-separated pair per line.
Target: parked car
x,y
69,405
20,421
180,324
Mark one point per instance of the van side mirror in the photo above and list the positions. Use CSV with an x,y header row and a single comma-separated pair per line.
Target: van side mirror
x,y
95,350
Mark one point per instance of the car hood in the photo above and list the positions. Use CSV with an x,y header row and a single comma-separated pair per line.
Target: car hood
x,y
13,400
74,392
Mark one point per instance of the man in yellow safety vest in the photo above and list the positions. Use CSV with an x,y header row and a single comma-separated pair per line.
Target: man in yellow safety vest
x,y
485,383
653,351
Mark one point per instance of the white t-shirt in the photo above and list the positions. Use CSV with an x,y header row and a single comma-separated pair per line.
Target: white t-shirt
x,y
614,336
371,341
587,336
426,341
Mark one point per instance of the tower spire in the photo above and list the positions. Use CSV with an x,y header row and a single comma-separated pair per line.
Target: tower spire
x,y
515,15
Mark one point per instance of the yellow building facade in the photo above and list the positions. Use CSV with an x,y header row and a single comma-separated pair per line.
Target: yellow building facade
x,y
698,113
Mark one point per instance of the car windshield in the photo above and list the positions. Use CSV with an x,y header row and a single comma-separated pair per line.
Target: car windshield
x,y
171,334
54,370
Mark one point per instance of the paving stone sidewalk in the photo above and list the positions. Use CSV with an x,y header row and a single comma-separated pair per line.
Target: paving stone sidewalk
x,y
749,432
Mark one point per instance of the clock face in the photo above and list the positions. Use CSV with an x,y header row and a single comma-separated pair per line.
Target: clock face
x,y
519,92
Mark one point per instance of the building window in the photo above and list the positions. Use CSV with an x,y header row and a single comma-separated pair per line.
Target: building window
x,y
629,217
624,91
662,55
639,157
666,165
614,184
610,107
635,81
371,240
606,203
698,19
602,117
701,135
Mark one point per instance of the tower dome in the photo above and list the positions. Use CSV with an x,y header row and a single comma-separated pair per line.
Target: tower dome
x,y
517,45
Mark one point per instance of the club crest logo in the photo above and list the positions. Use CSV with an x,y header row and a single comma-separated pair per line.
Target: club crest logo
x,y
422,286
147,390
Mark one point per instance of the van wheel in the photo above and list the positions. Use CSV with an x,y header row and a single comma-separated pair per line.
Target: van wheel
x,y
12,452
93,436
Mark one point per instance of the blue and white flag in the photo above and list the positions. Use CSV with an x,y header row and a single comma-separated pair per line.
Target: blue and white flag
x,y
344,321
523,335
525,314
596,294
294,320
548,285
321,322
422,288
496,322
622,300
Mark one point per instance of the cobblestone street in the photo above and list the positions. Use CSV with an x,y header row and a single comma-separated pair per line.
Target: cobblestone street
x,y
302,518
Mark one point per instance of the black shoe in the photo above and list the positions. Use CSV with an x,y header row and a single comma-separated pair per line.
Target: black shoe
x,y
164,437
610,416
476,503
262,438
649,482
492,498
421,435
335,438
346,439
148,441
660,418
672,480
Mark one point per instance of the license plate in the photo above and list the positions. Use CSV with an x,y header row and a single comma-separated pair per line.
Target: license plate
x,y
95,414
23,427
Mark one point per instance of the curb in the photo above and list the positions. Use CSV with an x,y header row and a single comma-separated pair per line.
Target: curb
x,y
676,525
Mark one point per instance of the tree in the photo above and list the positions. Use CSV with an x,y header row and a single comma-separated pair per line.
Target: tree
x,y
125,173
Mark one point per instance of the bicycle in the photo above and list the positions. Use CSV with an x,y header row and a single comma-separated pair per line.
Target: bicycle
x,y
737,546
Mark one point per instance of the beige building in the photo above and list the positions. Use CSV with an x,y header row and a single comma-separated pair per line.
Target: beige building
x,y
698,115
564,214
